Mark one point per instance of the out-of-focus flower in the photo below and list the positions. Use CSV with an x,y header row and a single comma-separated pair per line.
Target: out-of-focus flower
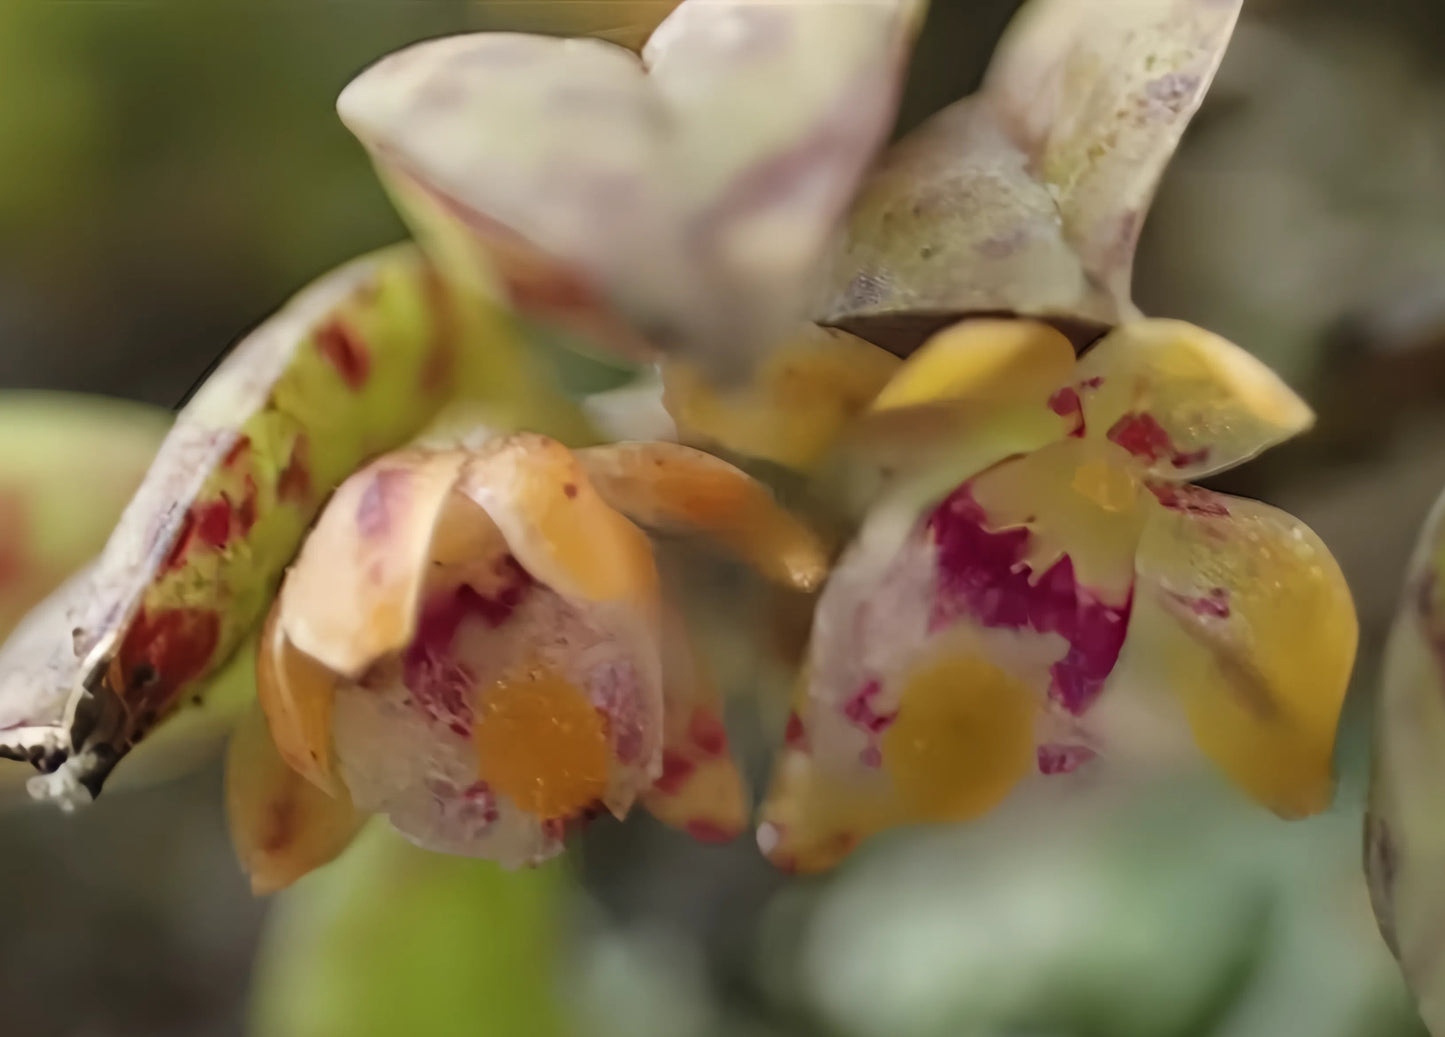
x,y
674,203
473,642
1404,833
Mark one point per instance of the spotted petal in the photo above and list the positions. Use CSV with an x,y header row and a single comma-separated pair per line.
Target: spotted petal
x,y
512,684
1184,401
1241,612
1029,196
354,365
700,790
680,202
1404,836
282,826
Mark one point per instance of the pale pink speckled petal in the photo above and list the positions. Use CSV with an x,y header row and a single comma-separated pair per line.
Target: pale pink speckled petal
x,y
681,202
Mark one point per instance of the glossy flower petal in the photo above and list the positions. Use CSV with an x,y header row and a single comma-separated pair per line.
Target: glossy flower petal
x,y
282,826
1241,612
794,408
679,202
673,488
1184,401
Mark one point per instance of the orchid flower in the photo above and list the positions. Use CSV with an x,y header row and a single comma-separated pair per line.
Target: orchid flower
x,y
1036,582
673,204
473,637
473,641
1404,849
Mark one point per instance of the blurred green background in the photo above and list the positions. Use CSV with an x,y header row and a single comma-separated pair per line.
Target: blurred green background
x,y
171,171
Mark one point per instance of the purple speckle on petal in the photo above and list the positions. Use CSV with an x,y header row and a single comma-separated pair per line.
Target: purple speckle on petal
x,y
982,576
1063,759
1066,403
440,685
859,709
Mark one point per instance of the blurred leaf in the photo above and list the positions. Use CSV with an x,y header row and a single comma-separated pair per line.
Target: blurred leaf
x,y
393,940
68,465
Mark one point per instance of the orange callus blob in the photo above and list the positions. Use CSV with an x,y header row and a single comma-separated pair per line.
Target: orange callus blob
x,y
962,740
541,743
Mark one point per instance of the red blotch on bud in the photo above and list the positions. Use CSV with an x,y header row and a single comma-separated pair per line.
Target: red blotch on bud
x,y
345,351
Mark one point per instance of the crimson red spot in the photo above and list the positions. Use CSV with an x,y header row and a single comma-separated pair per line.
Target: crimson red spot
x,y
246,512
709,832
345,351
794,735
237,451
982,575
1089,384
706,731
570,489
676,770
1066,403
859,709
1192,500
294,483
162,652
1063,759
213,523
1145,438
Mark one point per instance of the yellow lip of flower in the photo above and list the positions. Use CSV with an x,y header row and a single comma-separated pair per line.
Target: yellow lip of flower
x,y
1146,594
471,642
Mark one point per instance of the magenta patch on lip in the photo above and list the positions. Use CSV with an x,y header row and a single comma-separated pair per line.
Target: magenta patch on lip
x,y
440,685
1215,603
1066,403
982,576
1063,759
1145,438
859,709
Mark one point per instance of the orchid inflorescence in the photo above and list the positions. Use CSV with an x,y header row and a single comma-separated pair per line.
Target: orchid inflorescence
x,y
446,568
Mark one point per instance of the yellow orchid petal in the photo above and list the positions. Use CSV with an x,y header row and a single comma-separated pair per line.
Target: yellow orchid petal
x,y
352,595
1183,400
812,819
282,826
982,361
296,692
1242,611
562,531
971,396
700,790
676,488
795,407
